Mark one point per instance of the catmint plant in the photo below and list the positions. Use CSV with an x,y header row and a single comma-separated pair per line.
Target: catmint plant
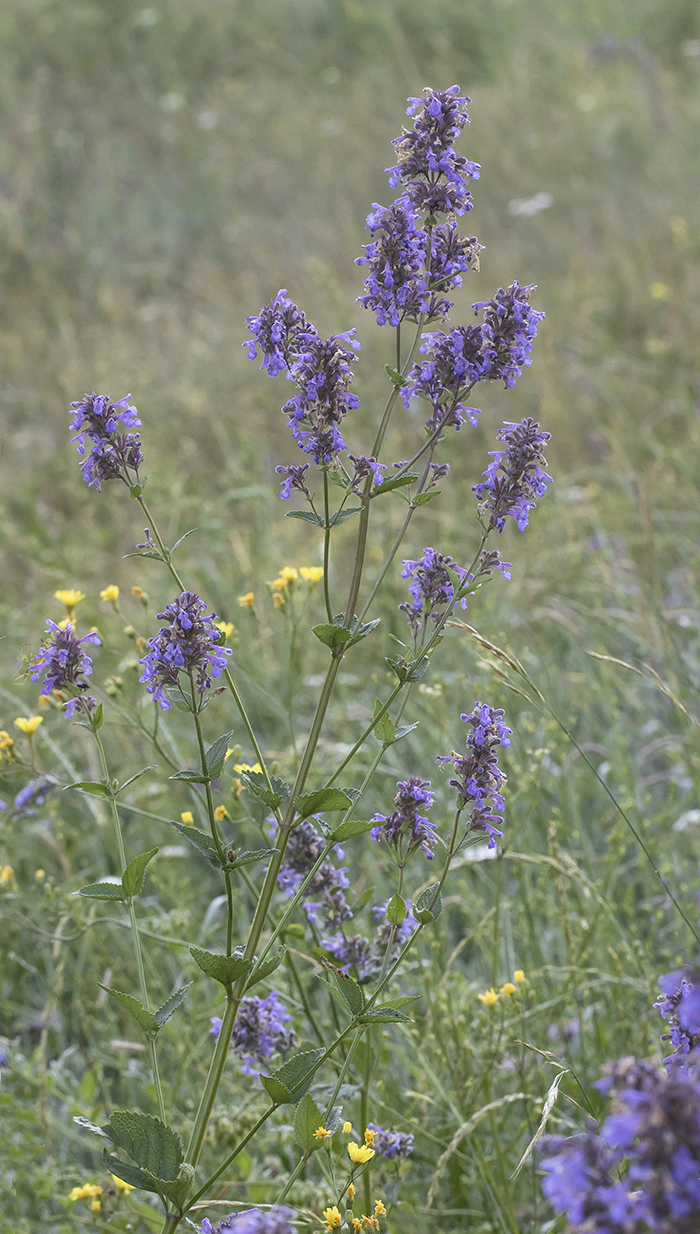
x,y
415,258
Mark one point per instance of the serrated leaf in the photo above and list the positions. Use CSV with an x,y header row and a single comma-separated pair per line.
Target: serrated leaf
x,y
307,1120
178,1189
191,777
384,728
385,1015
388,484
256,782
164,1012
332,636
402,1001
128,1173
324,800
93,787
404,729
396,909
216,754
268,966
198,839
97,718
342,516
395,377
85,1122
294,1076
353,827
276,1090
334,1118
102,891
361,631
247,858
144,1018
422,499
225,969
307,516
424,910
150,1143
133,876
351,992
142,772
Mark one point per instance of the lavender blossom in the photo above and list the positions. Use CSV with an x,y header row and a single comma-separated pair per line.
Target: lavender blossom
x,y
396,283
253,1221
455,364
65,663
259,1030
113,455
516,477
332,910
401,933
431,590
33,794
433,177
366,956
680,1007
406,828
391,1144
304,847
508,331
279,331
478,778
184,644
293,479
363,467
355,952
323,377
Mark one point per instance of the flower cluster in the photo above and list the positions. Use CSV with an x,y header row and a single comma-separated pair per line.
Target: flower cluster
x,y
431,589
113,455
304,847
407,828
253,1221
366,956
391,1144
654,1128
508,331
259,1030
33,795
680,1007
516,477
432,176
477,776
185,644
64,662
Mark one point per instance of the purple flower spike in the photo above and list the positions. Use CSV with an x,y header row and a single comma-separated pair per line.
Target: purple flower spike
x,y
185,644
680,1007
455,364
293,479
406,828
516,477
278,331
478,778
253,1221
323,377
65,664
431,589
259,1031
113,455
433,177
391,1144
509,328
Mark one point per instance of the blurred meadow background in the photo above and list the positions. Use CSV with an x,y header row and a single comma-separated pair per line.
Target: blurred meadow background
x,y
163,171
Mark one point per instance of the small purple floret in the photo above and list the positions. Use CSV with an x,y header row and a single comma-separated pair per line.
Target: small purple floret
x,y
259,1030
65,664
407,828
113,455
516,477
477,776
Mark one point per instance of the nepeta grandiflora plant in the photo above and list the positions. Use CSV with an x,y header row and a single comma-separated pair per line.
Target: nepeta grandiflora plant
x,y
415,257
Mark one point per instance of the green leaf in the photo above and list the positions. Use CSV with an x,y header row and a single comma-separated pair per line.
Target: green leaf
x,y
268,966
149,1142
131,779
85,1122
307,516
398,482
396,909
324,800
361,631
384,728
216,755
133,876
163,1014
404,729
385,1015
102,891
93,787
182,539
332,636
307,1120
294,1076
97,718
402,1001
128,1173
353,827
144,1018
256,782
225,969
350,991
177,1190
276,1090
424,910
192,777
135,490
342,516
422,499
395,377
247,858
407,670
155,556
198,839
335,1118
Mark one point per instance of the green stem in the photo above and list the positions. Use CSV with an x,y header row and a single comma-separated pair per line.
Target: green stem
x,y
134,929
211,1087
212,823
326,547
364,1114
232,1155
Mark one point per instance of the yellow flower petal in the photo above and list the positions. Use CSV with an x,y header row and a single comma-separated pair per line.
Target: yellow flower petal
x,y
508,989
110,594
226,627
40,875
379,1209
333,1217
121,1185
221,813
659,291
347,1128
28,726
6,874
278,599
312,574
518,976
321,1134
246,601
187,818
490,998
369,1137
359,1153
70,597
289,574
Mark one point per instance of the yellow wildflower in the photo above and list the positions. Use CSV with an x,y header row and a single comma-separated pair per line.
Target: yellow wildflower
x,y
289,574
333,1217
347,1128
70,597
489,999
28,726
321,1134
518,976
370,1223
221,813
187,818
351,1192
139,593
226,627
659,291
88,1191
379,1209
312,574
359,1153
121,1185
40,875
246,601
369,1137
95,1205
110,594
239,767
508,989
356,1225
6,874
278,599
6,742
